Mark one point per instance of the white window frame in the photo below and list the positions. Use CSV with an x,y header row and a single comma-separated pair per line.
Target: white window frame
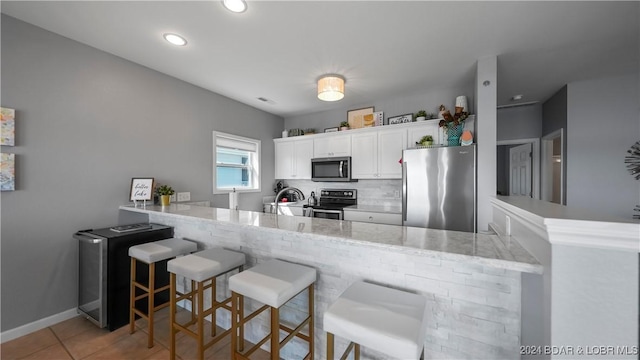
x,y
256,162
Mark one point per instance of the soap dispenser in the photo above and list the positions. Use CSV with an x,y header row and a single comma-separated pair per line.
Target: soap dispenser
x,y
312,198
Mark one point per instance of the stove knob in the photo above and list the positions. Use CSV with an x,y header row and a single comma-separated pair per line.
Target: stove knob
x,y
350,193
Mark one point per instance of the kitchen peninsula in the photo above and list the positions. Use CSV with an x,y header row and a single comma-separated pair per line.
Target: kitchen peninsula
x,y
472,281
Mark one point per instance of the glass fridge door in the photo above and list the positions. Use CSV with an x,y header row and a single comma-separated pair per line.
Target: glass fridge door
x,y
92,281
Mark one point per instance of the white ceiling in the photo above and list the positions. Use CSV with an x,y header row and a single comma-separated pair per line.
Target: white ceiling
x,y
384,49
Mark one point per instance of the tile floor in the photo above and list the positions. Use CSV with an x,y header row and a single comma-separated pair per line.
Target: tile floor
x,y
77,338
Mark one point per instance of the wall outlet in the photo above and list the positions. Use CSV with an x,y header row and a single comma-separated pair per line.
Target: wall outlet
x,y
172,197
184,196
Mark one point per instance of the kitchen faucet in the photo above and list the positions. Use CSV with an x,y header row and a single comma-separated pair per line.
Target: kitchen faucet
x,y
281,192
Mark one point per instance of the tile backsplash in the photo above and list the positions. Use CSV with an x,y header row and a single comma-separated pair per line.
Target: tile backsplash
x,y
370,192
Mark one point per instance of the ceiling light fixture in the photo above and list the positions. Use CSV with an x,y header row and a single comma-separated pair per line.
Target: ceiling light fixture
x,y
331,88
237,6
175,39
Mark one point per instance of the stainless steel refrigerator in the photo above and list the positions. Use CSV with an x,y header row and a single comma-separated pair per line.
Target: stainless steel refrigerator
x,y
439,188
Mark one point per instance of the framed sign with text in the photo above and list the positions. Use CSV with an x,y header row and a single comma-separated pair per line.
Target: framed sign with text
x,y
141,189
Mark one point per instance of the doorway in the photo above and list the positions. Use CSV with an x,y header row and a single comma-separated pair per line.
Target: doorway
x,y
518,167
553,160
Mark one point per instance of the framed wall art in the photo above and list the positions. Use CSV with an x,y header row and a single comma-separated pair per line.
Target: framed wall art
x,y
141,189
7,172
7,126
355,118
400,119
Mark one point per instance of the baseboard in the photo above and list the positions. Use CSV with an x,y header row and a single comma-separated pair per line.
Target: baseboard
x,y
37,325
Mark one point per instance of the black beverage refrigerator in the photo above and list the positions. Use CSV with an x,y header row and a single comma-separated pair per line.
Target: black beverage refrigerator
x,y
104,271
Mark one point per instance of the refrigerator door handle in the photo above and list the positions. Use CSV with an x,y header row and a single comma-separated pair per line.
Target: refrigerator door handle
x,y
404,191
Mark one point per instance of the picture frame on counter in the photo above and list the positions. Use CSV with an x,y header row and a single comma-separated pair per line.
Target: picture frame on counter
x,y
141,189
400,119
331,129
356,118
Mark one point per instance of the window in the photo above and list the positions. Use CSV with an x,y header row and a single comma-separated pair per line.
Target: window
x,y
237,163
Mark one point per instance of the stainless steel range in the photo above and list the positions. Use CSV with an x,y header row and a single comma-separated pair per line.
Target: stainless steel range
x,y
331,203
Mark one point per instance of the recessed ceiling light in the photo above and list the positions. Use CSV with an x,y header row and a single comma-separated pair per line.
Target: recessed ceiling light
x,y
237,6
516,97
175,39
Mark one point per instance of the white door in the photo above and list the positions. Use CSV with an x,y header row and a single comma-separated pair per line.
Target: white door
x,y
520,170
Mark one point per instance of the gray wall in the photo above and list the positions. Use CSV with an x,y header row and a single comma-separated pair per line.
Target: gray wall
x,y
429,100
602,125
86,123
523,122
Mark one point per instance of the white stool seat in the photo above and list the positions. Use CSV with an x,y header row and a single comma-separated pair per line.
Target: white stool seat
x,y
274,282
206,264
162,250
387,320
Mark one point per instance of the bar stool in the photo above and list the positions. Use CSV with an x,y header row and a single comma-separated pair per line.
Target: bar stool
x,y
150,254
383,319
272,283
202,268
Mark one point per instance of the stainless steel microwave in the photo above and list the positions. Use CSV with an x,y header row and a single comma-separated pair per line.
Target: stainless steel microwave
x,y
331,169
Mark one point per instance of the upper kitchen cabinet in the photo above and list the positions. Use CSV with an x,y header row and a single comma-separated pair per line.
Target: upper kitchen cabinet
x,y
375,154
427,127
293,158
330,145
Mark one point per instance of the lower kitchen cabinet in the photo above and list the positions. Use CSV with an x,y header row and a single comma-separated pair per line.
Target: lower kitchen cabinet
x,y
293,159
373,217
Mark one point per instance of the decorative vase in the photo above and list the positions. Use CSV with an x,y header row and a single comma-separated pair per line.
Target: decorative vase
x,y
421,118
165,200
453,134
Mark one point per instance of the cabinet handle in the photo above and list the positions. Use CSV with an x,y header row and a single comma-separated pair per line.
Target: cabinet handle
x,y
370,217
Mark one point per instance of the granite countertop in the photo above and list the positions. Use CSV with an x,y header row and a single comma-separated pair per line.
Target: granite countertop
x,y
483,249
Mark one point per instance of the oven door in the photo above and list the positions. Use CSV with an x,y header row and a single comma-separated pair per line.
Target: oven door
x,y
327,214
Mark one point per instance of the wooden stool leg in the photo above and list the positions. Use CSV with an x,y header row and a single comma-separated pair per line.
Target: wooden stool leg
x,y
329,346
275,333
311,322
234,324
241,321
200,317
132,296
172,317
356,352
151,297
214,302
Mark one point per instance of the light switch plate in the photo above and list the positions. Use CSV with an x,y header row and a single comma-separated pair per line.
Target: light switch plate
x,y
184,196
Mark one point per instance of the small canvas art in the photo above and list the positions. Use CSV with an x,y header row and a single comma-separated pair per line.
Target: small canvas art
x,y
7,126
7,172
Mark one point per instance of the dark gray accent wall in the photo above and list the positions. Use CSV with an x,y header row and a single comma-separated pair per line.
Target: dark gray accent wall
x,y
86,123
554,117
523,122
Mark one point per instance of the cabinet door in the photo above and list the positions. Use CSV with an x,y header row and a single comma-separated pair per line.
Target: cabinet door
x,y
332,145
414,134
389,152
284,160
364,155
303,152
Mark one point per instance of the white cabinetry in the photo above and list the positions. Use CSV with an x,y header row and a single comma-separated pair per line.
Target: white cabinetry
x,y
332,145
293,158
427,127
376,154
373,217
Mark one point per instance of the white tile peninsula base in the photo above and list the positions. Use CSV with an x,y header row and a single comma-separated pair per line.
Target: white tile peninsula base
x,y
474,309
